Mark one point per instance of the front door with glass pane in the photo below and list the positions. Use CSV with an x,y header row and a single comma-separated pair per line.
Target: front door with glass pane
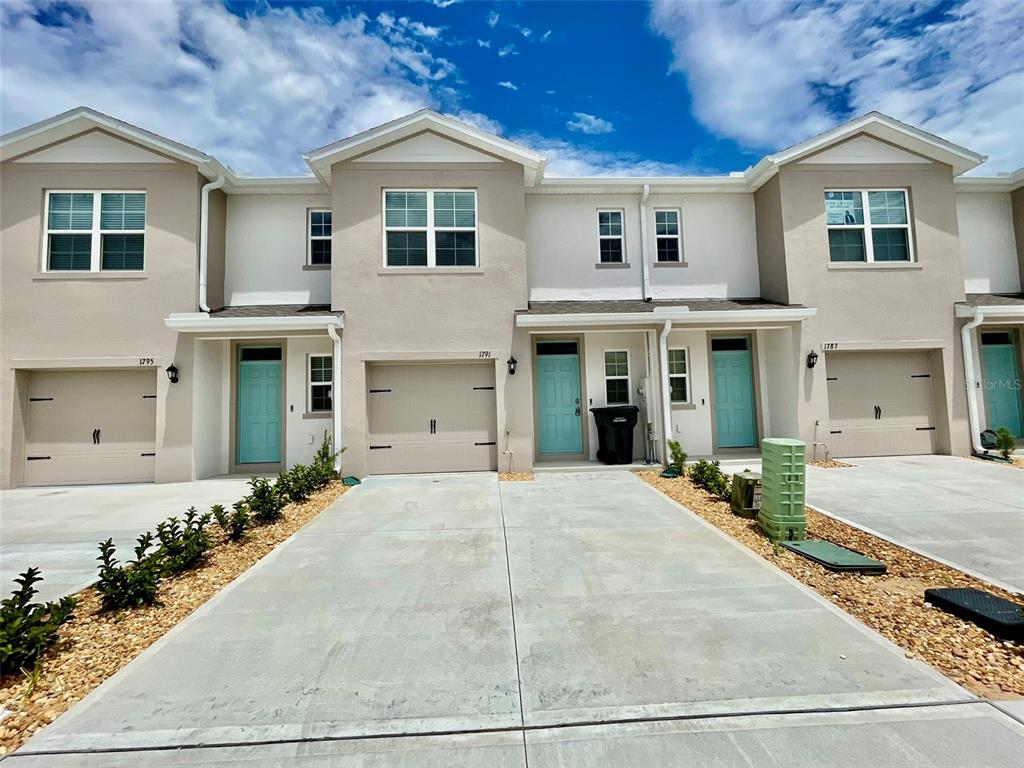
x,y
259,405
734,392
560,427
1002,381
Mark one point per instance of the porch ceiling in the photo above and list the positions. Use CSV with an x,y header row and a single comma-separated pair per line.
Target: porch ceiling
x,y
751,311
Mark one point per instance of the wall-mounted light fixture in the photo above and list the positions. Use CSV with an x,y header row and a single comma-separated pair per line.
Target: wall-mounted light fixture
x,y
812,359
512,363
172,373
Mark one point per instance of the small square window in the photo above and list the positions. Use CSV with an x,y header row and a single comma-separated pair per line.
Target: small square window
x,y
122,252
616,391
407,249
70,252
611,251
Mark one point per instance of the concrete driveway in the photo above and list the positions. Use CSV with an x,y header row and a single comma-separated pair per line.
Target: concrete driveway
x,y
967,513
444,620
57,529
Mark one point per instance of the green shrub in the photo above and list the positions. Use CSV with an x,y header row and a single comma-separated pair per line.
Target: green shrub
x,y
709,476
130,585
236,522
322,469
26,628
183,548
1005,442
264,500
678,457
297,484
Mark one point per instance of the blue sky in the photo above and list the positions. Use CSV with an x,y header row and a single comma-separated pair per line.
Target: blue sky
x,y
601,88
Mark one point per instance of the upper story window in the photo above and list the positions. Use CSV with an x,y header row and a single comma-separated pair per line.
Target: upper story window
x,y
666,229
616,377
430,228
319,233
678,376
877,232
609,234
95,231
321,373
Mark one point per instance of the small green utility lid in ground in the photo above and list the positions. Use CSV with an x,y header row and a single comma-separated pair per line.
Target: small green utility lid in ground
x,y
350,480
670,472
834,557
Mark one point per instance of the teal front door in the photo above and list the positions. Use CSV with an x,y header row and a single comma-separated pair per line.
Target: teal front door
x,y
558,398
259,405
734,392
1002,381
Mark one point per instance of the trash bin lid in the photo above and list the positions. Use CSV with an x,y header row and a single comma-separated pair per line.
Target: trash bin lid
x,y
611,410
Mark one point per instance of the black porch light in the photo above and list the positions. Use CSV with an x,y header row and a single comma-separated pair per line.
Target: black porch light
x,y
812,359
172,373
512,363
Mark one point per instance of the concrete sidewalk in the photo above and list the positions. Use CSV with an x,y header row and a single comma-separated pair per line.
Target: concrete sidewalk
x,y
58,529
384,633
967,513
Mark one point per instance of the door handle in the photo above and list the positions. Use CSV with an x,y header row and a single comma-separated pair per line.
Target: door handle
x,y
95,437
577,410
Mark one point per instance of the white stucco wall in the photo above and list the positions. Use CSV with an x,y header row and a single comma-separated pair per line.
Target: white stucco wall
x,y
691,424
303,432
719,247
987,245
210,413
595,345
265,251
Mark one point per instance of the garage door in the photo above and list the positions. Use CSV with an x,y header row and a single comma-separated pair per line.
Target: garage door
x,y
90,427
880,403
437,417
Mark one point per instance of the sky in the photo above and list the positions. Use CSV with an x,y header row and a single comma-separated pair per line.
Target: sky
x,y
601,88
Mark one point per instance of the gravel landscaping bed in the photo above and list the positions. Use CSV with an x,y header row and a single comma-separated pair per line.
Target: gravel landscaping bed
x,y
892,604
829,464
515,477
94,645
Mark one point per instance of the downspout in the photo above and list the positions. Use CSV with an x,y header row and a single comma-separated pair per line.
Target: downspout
x,y
663,387
645,266
204,236
974,423
332,331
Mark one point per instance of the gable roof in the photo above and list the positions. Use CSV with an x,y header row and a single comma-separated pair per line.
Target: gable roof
x,y
320,160
879,126
81,120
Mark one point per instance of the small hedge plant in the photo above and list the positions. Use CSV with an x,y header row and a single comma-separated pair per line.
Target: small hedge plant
x,y
233,523
1005,442
130,585
183,547
27,628
678,457
709,476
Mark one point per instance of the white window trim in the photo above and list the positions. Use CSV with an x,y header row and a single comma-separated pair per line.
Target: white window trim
x,y
431,230
686,376
96,252
607,378
621,237
867,226
310,383
678,236
310,237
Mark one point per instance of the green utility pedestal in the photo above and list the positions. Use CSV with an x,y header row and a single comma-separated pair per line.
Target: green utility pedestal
x,y
782,516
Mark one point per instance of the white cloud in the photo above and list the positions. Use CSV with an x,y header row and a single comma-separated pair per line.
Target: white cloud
x,y
492,19
525,32
546,36
591,124
176,68
481,121
550,93
483,43
566,159
509,84
508,50
771,74
444,3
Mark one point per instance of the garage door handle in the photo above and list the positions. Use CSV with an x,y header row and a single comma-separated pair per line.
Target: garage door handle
x,y
95,437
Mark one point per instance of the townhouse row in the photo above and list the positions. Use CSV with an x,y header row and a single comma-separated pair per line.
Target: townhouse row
x,y
430,300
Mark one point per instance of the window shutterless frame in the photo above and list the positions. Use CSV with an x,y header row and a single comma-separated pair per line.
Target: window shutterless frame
x,y
668,232
606,233
314,238
319,367
679,371
431,229
95,231
620,362
869,226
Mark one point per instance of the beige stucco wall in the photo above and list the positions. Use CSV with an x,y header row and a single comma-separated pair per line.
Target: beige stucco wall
x,y
988,250
440,314
771,245
216,226
99,320
1017,206
878,305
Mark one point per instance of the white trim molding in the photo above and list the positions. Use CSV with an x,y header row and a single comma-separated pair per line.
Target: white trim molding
x,y
201,322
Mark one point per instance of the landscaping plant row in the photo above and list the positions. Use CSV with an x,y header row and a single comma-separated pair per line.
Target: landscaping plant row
x,y
28,628
705,474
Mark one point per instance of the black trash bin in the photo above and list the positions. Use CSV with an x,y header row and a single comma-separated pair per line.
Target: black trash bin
x,y
615,424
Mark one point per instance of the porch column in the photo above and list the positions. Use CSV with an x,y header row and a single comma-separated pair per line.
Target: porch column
x,y
666,395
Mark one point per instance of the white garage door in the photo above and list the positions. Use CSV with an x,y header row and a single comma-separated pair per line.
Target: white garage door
x,y
880,403
436,417
90,427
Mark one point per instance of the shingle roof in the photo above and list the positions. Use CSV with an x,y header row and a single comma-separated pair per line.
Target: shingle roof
x,y
636,305
276,310
994,300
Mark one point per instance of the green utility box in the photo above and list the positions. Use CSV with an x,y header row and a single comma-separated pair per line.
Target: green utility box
x,y
783,469
746,494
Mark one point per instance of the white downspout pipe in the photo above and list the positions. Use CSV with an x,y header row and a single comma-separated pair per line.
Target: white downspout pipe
x,y
666,402
204,236
973,421
645,266
332,331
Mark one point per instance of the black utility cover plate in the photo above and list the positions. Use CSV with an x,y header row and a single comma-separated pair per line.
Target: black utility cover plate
x,y
1002,618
